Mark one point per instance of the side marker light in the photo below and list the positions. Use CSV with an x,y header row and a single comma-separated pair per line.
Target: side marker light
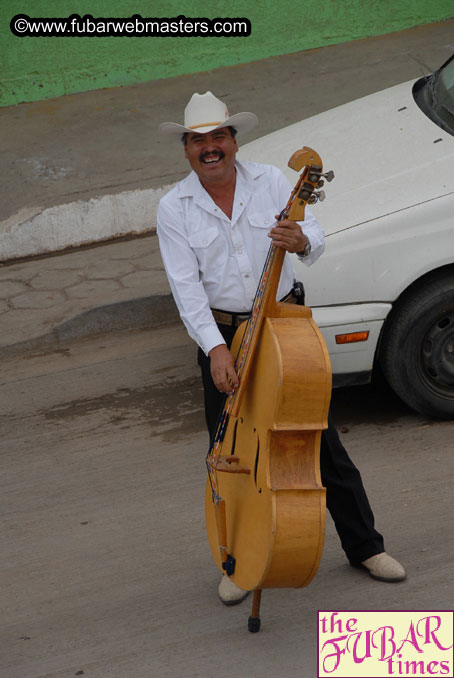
x,y
352,337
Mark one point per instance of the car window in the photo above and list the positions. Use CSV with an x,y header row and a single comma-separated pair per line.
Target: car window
x,y
434,95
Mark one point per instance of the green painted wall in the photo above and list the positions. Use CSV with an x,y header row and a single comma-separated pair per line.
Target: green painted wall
x,y
34,68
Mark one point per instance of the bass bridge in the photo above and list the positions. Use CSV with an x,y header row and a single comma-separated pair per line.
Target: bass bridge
x,y
228,464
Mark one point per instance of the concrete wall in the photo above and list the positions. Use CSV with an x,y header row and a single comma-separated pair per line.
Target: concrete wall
x,y
35,68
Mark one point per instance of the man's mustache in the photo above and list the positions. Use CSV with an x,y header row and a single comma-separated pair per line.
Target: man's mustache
x,y
206,154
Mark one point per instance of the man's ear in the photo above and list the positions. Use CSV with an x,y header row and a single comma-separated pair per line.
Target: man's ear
x,y
186,152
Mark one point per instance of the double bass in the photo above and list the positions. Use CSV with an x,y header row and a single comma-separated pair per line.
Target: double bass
x,y
264,502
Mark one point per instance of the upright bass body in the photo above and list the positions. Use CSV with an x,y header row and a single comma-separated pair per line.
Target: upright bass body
x,y
269,474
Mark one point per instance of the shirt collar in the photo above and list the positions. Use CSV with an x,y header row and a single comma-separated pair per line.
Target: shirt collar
x,y
191,186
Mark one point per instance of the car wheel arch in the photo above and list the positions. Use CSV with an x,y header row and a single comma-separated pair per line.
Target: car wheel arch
x,y
413,288
419,288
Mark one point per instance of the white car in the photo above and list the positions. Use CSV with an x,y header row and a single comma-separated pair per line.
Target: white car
x,y
383,291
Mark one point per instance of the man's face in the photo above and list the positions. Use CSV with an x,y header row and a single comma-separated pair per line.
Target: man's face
x,y
212,155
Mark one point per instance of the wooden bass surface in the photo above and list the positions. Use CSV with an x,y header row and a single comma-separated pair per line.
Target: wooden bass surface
x,y
275,514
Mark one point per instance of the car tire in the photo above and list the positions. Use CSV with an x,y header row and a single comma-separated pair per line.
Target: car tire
x,y
417,348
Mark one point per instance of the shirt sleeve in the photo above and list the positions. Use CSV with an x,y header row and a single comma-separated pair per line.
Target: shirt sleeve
x,y
310,226
182,271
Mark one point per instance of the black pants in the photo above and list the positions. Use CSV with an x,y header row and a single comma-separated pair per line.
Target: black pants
x,y
346,497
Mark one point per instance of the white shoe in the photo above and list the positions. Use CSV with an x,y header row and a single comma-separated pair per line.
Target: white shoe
x,y
230,593
384,568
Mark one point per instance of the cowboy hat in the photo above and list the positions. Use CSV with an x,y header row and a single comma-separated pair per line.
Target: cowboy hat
x,y
204,113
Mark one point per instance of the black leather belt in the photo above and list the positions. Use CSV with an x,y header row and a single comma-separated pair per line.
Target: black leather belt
x,y
235,319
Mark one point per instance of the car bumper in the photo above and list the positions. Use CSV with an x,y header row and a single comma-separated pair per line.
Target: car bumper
x,y
351,363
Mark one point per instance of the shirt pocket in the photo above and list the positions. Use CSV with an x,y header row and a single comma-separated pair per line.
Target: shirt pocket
x,y
261,220
260,224
208,246
204,238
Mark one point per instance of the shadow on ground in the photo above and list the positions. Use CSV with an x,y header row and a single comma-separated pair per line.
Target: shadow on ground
x,y
374,402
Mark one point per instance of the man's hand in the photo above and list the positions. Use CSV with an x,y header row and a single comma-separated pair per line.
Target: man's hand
x,y
288,235
222,365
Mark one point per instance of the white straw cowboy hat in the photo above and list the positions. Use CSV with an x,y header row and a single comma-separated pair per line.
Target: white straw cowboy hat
x,y
204,113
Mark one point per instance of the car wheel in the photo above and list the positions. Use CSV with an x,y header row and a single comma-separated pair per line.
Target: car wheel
x,y
417,350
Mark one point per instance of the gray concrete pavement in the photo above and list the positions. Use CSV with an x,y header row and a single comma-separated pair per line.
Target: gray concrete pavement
x,y
44,301
106,570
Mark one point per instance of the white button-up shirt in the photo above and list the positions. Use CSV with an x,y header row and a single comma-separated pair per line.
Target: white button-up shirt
x,y
212,261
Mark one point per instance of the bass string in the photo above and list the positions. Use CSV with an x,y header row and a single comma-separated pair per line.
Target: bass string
x,y
216,448
243,352
245,343
250,327
256,305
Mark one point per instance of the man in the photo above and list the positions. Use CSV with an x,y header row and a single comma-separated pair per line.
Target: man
x,y
214,230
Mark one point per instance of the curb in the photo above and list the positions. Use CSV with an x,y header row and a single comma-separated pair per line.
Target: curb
x,y
142,313
36,230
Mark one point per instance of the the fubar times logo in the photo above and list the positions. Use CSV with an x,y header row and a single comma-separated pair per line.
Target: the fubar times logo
x,y
372,644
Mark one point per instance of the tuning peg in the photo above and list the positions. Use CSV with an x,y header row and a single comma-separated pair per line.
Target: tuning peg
x,y
329,176
320,183
316,196
314,174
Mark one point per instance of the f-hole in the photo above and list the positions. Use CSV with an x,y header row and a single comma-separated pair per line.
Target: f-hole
x,y
234,438
256,464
